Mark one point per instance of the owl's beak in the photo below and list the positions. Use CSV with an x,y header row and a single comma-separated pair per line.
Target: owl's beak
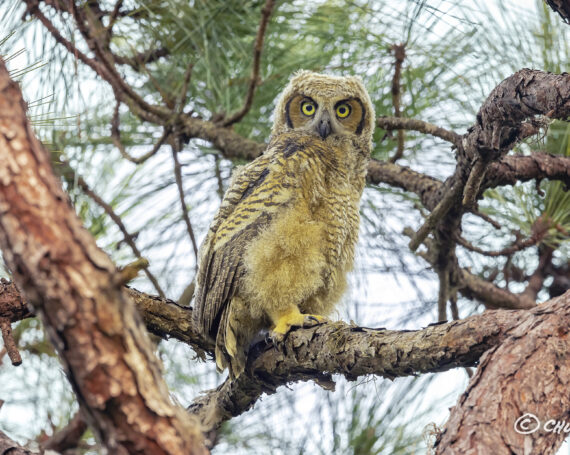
x,y
323,125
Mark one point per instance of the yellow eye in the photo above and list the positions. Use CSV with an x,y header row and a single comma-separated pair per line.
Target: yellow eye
x,y
308,108
342,110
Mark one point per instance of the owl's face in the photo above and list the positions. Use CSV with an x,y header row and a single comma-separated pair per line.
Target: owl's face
x,y
329,107
326,116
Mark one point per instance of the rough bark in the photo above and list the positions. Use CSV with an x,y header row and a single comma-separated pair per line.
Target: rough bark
x,y
518,168
339,348
528,372
72,286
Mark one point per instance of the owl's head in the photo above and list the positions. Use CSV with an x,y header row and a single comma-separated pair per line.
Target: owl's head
x,y
329,107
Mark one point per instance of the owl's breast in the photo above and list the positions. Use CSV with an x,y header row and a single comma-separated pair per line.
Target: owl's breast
x,y
338,211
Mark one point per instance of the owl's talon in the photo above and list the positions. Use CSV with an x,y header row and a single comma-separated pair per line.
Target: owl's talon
x,y
294,318
312,320
277,337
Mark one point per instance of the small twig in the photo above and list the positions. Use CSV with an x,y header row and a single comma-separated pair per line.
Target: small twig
x,y
453,306
257,48
69,436
130,271
536,280
515,247
396,123
184,94
147,56
101,65
486,218
188,294
178,175
539,229
220,189
400,55
436,216
106,69
443,294
34,10
9,342
116,138
114,15
128,238
166,97
474,181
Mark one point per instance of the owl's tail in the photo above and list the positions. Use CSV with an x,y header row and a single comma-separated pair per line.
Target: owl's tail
x,y
230,350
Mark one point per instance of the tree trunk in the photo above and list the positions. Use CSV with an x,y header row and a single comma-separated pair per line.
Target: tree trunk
x,y
73,286
520,391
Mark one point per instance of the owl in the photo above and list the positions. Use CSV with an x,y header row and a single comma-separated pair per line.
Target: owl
x,y
278,250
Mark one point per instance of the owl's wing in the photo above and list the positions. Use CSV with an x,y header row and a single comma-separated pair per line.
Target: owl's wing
x,y
221,255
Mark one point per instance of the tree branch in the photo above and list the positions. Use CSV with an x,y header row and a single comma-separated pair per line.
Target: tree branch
x,y
68,437
399,54
400,123
141,58
520,168
351,351
254,79
184,208
69,173
501,123
335,348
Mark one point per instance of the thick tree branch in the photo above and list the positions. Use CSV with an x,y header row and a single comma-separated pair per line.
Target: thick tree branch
x,y
337,348
502,119
72,285
340,348
528,372
509,170
522,168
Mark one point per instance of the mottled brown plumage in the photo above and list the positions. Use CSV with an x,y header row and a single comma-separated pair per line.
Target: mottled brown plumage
x,y
279,248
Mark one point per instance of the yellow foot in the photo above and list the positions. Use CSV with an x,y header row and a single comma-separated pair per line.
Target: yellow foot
x,y
294,318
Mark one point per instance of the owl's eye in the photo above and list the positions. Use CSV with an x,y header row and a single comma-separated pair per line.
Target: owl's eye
x,y
342,110
308,108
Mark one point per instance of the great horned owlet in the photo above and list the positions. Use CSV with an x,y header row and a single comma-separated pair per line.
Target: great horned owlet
x,y
278,250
